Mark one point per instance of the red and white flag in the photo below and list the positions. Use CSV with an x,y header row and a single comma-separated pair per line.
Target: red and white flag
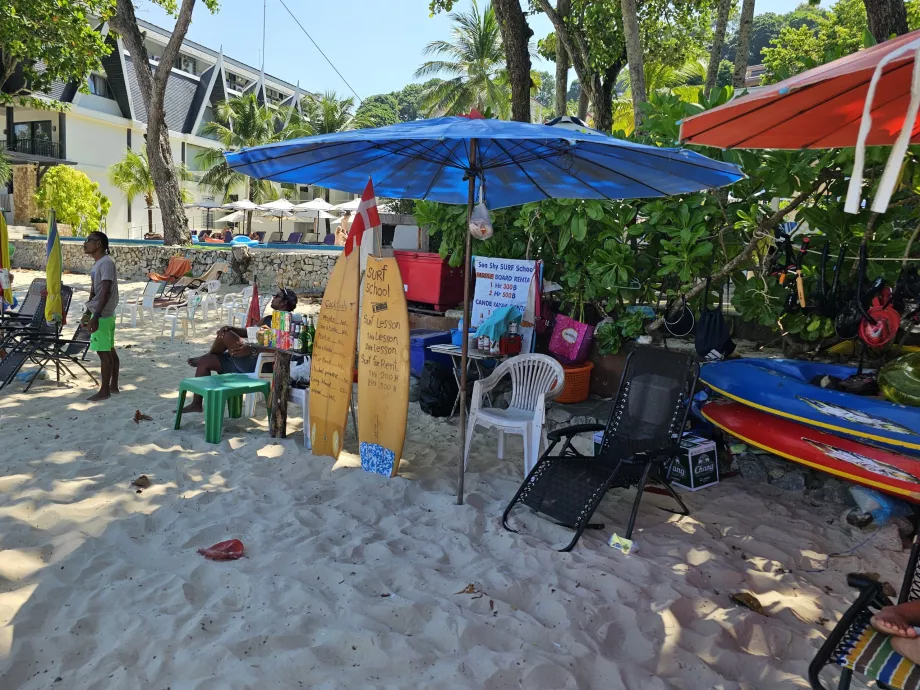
x,y
366,218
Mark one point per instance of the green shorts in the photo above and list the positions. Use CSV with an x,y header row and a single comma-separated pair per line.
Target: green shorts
x,y
103,340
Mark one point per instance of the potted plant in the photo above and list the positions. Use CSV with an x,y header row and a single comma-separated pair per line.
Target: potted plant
x,y
613,341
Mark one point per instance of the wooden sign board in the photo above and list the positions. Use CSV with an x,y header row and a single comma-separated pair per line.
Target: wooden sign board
x,y
383,368
333,365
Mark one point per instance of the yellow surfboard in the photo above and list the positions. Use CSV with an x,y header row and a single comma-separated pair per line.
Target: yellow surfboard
x,y
383,368
333,365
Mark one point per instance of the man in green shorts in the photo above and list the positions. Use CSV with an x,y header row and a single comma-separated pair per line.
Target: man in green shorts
x,y
100,312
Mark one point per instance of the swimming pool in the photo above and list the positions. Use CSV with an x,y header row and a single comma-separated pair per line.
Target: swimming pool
x,y
214,246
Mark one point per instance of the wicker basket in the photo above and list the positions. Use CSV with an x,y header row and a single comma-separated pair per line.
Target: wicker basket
x,y
577,383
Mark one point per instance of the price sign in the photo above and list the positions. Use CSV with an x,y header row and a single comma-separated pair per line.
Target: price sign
x,y
502,283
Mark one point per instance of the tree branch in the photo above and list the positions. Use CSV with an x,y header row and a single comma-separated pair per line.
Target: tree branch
x,y
125,23
175,42
575,48
763,230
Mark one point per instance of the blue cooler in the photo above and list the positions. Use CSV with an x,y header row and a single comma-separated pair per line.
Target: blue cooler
x,y
419,341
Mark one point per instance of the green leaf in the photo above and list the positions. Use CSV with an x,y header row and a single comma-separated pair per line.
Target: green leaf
x,y
564,236
579,228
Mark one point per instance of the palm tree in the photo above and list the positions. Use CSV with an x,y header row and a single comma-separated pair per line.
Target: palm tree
x,y
239,122
132,176
6,169
327,114
474,64
657,78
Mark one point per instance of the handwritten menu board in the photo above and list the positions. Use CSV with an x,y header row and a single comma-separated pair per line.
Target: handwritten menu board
x,y
332,368
383,368
503,283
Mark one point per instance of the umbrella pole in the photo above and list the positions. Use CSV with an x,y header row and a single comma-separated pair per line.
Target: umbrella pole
x,y
464,347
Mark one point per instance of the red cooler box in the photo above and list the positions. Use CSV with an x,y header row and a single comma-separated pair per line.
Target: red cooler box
x,y
427,278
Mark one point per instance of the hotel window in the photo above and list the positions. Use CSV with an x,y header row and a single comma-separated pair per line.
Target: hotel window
x,y
186,64
99,86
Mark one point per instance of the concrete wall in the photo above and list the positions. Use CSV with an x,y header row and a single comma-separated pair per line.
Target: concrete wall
x,y
304,271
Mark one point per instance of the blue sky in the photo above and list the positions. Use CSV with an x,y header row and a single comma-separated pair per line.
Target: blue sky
x,y
376,45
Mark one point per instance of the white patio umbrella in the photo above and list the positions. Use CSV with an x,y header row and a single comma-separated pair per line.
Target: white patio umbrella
x,y
279,213
350,206
235,217
241,205
277,205
208,205
316,205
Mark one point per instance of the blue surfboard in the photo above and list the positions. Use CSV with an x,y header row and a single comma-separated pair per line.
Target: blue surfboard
x,y
782,387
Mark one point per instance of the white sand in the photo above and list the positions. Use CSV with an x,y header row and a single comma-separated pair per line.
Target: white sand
x,y
352,580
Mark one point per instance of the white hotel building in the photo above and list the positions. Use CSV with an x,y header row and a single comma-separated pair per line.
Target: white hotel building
x,y
98,127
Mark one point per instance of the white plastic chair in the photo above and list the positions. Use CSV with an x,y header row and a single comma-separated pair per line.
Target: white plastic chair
x,y
535,379
227,303
184,314
249,399
151,291
302,396
131,306
209,298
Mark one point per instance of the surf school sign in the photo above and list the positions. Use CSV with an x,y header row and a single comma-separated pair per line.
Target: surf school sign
x,y
503,283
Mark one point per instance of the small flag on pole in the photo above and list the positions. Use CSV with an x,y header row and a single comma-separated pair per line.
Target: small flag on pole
x,y
366,218
254,315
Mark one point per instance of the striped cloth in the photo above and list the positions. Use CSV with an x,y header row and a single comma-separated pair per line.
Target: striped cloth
x,y
871,655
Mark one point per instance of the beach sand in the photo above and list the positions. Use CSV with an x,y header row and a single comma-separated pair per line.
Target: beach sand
x,y
353,580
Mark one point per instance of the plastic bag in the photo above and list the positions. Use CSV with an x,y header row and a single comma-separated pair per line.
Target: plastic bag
x,y
881,506
301,372
480,222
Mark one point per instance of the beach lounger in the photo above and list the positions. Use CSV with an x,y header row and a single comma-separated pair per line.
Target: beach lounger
x,y
856,648
275,237
294,237
641,438
36,325
177,267
16,356
261,236
29,304
62,352
214,272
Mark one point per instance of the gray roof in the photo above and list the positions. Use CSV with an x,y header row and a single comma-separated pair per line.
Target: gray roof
x,y
180,94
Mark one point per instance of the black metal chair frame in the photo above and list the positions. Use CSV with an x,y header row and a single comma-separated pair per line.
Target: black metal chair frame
x,y
59,351
638,467
871,599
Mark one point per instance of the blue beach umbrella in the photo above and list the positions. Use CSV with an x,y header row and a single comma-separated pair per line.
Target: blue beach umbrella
x,y
449,159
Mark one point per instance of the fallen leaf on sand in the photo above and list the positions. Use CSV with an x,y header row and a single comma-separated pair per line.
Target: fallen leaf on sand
x,y
749,601
142,482
141,417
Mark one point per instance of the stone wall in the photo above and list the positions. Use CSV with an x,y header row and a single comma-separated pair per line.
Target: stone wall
x,y
305,271
24,187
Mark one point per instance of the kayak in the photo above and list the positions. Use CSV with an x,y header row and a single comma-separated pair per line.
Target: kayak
x,y
782,387
871,466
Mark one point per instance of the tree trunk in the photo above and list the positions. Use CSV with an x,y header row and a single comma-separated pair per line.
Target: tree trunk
x,y
248,213
153,89
516,33
718,42
886,18
563,7
326,199
635,59
576,50
583,104
149,219
744,43
603,107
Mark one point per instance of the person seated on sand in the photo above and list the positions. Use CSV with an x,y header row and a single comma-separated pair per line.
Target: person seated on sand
x,y
899,621
229,354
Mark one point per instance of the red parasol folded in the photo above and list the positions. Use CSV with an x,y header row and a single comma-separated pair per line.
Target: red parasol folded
x,y
254,316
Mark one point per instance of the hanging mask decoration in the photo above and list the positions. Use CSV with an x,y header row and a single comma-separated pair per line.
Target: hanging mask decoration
x,y
480,220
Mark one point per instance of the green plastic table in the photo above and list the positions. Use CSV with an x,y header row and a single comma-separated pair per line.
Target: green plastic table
x,y
218,391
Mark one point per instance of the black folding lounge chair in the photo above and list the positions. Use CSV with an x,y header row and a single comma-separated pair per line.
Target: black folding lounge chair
x,y
37,329
853,629
641,438
29,304
17,355
62,352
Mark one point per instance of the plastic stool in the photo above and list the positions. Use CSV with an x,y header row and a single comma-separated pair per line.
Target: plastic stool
x,y
220,391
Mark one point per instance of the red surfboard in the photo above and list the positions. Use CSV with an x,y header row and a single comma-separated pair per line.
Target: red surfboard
x,y
870,466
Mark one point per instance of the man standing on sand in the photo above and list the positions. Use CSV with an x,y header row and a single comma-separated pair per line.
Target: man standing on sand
x,y
100,312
